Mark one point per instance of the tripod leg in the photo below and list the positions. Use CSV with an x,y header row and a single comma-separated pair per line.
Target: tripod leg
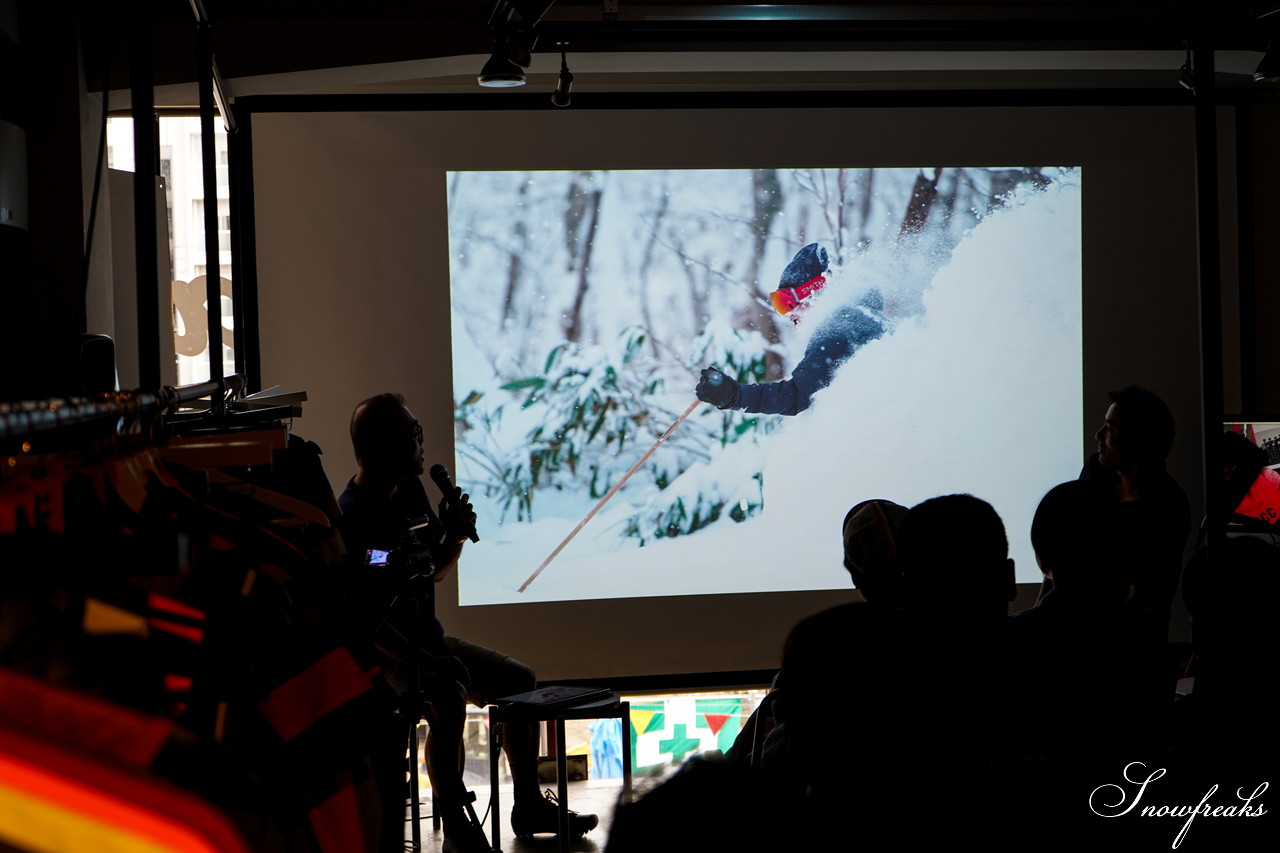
x,y
471,813
495,749
415,829
562,785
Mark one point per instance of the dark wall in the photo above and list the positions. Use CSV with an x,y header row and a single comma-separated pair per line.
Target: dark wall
x,y
1259,317
41,266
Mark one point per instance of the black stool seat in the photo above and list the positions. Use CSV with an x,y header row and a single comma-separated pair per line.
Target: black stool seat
x,y
556,704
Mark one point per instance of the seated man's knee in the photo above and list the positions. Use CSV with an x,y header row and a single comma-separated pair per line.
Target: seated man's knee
x,y
522,676
446,701
493,674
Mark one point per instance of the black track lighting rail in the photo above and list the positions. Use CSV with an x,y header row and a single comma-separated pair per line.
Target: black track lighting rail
x,y
938,26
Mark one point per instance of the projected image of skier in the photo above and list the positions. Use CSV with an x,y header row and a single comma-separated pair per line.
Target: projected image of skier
x,y
841,335
676,382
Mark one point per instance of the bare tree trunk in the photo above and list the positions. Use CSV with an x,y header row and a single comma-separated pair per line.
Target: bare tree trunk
x,y
923,196
515,264
864,210
573,325
695,291
646,262
842,201
577,208
766,198
766,202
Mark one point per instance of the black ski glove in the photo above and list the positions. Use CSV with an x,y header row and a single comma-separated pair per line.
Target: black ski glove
x,y
717,389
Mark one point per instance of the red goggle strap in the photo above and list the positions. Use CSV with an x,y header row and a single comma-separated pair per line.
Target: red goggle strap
x,y
810,287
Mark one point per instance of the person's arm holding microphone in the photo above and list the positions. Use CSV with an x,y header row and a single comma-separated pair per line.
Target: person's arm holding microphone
x,y
457,517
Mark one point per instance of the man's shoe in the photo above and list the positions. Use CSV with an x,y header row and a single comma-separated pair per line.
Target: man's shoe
x,y
543,816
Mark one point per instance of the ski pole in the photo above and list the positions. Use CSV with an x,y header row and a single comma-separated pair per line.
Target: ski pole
x,y
604,500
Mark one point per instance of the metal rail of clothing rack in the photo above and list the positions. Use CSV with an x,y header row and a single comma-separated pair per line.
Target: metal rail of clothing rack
x,y
30,419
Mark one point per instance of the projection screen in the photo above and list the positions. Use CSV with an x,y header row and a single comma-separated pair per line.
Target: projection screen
x,y
546,289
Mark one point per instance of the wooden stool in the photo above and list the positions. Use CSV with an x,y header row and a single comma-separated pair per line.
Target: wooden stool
x,y
555,704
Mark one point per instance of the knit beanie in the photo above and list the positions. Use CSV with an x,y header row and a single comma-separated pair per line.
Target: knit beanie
x,y
870,534
809,263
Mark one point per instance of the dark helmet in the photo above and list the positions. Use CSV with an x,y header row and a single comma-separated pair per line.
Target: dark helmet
x,y
809,263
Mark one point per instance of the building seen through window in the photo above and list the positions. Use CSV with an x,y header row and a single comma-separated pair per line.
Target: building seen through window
x,y
183,173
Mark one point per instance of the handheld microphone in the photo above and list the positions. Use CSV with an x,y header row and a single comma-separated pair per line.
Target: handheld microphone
x,y
440,476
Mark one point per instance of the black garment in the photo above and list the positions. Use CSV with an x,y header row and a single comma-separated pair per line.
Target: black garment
x,y
385,610
860,664
1092,675
386,605
370,521
1154,530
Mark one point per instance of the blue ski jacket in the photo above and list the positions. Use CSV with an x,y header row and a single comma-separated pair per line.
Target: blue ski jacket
x,y
839,337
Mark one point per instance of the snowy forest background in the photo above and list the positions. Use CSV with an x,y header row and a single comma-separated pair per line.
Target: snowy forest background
x,y
585,303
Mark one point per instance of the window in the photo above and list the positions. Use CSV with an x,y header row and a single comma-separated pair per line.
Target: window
x,y
224,216
183,172
666,730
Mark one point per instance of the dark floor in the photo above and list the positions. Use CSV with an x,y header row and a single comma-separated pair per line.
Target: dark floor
x,y
594,796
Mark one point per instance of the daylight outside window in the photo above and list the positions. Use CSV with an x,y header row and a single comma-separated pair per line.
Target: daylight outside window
x,y
181,166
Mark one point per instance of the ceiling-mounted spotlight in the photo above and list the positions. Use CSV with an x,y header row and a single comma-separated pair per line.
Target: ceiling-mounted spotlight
x,y
500,72
564,83
1268,70
1187,77
512,23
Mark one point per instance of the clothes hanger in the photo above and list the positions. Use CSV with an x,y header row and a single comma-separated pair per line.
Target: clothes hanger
x,y
299,511
210,451
206,450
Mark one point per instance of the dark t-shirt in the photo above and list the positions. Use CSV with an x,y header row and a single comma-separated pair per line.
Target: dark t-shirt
x,y
1090,673
1155,529
370,521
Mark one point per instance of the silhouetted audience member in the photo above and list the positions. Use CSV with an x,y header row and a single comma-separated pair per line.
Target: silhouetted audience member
x,y
955,561
959,578
1093,666
913,684
1224,745
840,698
1134,441
922,694
1076,534
707,805
854,698
869,533
1230,592
1250,491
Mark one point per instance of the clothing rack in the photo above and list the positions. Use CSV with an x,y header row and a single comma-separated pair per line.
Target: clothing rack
x,y
173,578
28,419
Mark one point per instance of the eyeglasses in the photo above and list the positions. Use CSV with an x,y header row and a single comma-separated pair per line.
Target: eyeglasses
x,y
417,432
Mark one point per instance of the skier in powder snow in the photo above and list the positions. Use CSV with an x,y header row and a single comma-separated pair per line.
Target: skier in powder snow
x,y
833,342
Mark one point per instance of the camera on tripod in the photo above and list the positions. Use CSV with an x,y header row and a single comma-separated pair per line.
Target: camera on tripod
x,y
411,564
